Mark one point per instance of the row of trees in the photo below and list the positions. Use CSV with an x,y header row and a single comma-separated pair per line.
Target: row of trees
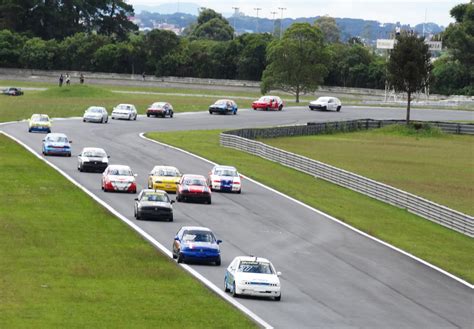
x,y
306,56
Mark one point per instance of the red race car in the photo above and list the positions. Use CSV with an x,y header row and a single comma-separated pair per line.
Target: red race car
x,y
193,188
119,178
268,103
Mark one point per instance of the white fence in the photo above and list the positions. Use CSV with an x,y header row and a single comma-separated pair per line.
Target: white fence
x,y
427,209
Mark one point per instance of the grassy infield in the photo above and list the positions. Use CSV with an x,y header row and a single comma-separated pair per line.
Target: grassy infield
x,y
87,269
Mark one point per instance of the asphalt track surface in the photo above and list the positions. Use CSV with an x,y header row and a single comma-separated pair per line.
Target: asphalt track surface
x,y
333,277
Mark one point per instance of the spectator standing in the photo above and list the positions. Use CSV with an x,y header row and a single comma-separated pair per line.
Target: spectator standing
x,y
143,76
61,79
68,79
81,78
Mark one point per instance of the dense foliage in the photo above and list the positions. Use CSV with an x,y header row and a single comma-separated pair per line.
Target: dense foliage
x,y
454,73
97,36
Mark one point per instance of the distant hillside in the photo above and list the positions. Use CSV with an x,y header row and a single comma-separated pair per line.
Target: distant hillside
x,y
368,30
169,8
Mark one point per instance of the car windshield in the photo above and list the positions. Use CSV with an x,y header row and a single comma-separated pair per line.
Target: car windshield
x,y
95,110
167,173
120,172
323,99
124,107
57,139
194,181
41,119
158,197
198,236
264,99
226,172
255,267
157,105
221,102
94,154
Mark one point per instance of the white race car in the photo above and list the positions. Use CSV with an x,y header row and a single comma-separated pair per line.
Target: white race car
x,y
253,276
92,159
119,178
224,178
124,111
326,104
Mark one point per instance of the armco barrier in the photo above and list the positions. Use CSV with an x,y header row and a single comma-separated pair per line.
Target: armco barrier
x,y
242,140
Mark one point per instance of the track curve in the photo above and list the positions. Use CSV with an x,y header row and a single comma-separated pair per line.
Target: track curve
x,y
332,277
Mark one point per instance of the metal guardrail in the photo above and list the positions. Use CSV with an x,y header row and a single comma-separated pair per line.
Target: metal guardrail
x,y
242,140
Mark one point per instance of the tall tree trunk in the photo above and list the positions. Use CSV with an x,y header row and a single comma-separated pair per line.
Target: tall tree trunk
x,y
408,107
297,94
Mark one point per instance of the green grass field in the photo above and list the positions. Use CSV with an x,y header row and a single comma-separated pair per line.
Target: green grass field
x,y
65,262
434,243
436,166
75,99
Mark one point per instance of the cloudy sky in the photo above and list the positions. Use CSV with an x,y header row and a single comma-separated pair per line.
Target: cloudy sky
x,y
404,11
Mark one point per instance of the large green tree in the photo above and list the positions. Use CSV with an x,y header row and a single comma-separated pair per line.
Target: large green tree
x,y
50,19
297,62
455,74
409,66
212,26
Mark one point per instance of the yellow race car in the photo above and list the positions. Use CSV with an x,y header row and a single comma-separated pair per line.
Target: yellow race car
x,y
164,178
39,122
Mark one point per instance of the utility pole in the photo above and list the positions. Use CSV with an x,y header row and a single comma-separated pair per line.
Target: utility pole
x,y
257,9
273,13
281,21
236,10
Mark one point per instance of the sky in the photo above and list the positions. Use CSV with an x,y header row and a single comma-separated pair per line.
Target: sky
x,y
403,11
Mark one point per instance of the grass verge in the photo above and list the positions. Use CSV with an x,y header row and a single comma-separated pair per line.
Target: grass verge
x,y
69,101
425,161
447,249
65,262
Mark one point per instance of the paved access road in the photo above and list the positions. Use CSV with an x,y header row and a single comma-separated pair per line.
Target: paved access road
x,y
332,276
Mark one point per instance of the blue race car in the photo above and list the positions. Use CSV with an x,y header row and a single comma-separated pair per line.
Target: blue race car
x,y
196,244
223,106
56,144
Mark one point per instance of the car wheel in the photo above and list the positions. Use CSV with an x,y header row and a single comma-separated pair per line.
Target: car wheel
x,y
129,117
280,107
103,120
278,298
254,108
170,219
137,215
235,112
173,254
83,120
210,112
135,118
234,294
106,119
113,118
338,108
49,131
226,289
218,262
178,198
209,201
29,130
148,115
80,168
239,191
171,114
69,155
180,258
266,109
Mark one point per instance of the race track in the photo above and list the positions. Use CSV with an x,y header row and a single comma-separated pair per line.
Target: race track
x,y
333,277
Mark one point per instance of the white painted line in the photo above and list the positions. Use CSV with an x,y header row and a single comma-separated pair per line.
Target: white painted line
x,y
452,276
148,237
